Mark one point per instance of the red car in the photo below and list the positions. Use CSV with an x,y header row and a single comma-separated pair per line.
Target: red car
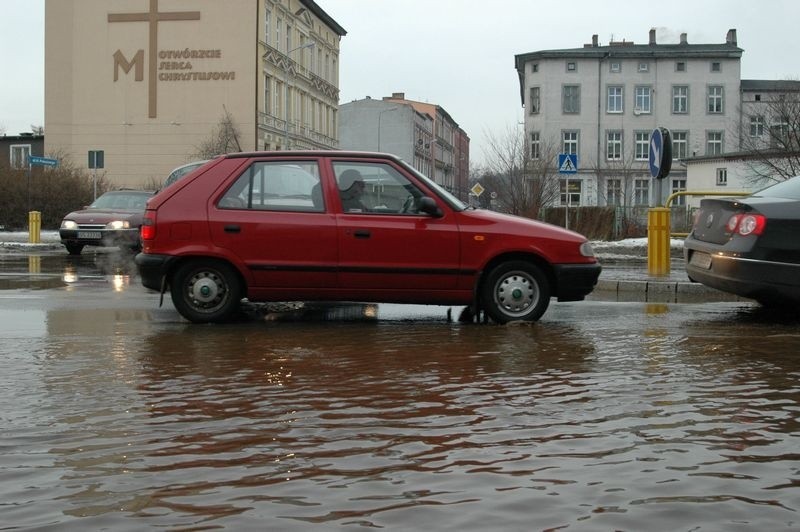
x,y
348,226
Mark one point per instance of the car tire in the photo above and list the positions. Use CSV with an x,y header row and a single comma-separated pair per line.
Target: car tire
x,y
515,291
206,291
74,249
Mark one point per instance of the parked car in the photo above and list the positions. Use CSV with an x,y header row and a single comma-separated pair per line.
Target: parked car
x,y
348,226
113,219
749,246
181,171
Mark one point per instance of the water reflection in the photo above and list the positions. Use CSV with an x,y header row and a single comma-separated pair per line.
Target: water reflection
x,y
600,417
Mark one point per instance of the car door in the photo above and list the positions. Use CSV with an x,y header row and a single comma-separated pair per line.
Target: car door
x,y
273,219
385,242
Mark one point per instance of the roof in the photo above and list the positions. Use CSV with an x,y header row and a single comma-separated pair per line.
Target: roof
x,y
766,85
326,18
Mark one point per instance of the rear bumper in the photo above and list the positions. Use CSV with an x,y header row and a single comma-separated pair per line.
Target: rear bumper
x,y
153,269
576,281
751,278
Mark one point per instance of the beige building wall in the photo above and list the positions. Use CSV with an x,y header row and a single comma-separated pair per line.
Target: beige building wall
x,y
147,80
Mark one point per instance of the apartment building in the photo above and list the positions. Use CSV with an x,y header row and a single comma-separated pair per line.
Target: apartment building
x,y
423,134
148,81
601,102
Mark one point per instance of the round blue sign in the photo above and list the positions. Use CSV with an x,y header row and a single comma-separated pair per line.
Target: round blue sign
x,y
660,153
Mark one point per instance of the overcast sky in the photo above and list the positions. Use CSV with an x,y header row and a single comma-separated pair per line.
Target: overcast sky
x,y
458,54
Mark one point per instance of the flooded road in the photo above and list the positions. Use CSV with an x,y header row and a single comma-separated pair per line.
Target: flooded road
x,y
117,414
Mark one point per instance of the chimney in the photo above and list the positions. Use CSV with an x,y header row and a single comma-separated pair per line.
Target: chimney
x,y
652,37
684,39
399,95
595,41
731,37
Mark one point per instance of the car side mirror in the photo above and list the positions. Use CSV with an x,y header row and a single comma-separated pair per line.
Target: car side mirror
x,y
428,206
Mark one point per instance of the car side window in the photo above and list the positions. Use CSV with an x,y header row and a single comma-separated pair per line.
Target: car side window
x,y
276,186
375,188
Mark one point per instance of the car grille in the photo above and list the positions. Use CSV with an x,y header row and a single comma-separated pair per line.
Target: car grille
x,y
91,227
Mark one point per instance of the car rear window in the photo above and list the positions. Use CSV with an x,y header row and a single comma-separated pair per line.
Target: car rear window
x,y
789,189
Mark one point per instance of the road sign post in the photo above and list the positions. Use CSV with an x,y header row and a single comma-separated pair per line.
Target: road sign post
x,y
567,164
658,218
96,160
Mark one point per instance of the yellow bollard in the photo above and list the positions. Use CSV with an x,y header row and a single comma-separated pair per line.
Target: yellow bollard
x,y
658,252
34,227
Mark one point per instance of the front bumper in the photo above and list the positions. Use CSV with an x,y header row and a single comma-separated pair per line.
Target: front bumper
x,y
153,269
100,237
575,281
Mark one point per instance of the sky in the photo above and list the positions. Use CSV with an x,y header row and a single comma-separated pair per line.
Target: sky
x,y
458,54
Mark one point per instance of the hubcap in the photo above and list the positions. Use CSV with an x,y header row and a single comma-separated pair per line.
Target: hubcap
x,y
204,289
516,293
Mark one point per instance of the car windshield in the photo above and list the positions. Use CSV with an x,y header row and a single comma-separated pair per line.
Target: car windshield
x,y
789,189
120,201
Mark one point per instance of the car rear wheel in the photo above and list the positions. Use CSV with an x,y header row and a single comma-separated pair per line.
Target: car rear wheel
x,y
206,291
515,290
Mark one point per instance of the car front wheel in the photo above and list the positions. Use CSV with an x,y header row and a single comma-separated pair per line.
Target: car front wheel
x,y
515,291
206,291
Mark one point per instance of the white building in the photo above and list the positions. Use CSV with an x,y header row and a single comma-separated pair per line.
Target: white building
x,y
602,103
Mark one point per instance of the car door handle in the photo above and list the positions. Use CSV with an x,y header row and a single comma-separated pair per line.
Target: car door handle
x,y
361,233
232,229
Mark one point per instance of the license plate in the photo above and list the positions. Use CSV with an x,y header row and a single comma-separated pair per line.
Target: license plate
x,y
701,260
89,235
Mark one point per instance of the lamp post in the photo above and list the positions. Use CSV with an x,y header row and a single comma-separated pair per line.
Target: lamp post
x,y
380,114
286,82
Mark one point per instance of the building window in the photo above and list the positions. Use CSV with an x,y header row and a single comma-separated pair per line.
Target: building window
x,y
641,192
779,135
267,25
615,66
642,141
680,144
288,38
267,95
614,192
278,34
680,66
644,66
534,100
18,157
680,99
722,177
714,143
679,185
614,100
570,144
571,99
614,145
535,146
642,99
756,126
534,68
716,66
573,196
715,99
572,66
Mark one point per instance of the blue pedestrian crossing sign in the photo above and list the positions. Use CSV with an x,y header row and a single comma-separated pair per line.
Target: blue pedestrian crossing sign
x,y
567,163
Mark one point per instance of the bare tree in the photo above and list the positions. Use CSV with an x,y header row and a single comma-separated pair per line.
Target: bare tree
x,y
770,136
519,181
224,138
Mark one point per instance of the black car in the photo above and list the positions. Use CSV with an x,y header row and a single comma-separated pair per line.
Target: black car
x,y
113,219
749,246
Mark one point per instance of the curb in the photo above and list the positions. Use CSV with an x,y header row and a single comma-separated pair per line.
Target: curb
x,y
662,291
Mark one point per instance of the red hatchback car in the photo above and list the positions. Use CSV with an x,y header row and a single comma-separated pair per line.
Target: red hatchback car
x,y
348,226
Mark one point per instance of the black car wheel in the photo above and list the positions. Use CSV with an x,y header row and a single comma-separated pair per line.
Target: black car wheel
x,y
74,249
206,291
515,290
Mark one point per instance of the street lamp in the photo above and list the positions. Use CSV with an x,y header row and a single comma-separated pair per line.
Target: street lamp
x,y
380,114
286,81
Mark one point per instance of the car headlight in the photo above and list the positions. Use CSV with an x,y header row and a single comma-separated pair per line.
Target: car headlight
x,y
586,250
68,224
118,224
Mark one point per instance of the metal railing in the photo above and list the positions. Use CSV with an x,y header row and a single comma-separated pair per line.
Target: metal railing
x,y
681,193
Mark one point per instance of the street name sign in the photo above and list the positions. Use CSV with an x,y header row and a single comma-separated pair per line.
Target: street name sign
x,y
42,161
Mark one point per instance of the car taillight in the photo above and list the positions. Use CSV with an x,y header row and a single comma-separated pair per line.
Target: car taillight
x,y
747,224
148,231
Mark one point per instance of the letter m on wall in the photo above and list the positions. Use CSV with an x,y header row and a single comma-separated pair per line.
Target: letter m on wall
x,y
120,61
